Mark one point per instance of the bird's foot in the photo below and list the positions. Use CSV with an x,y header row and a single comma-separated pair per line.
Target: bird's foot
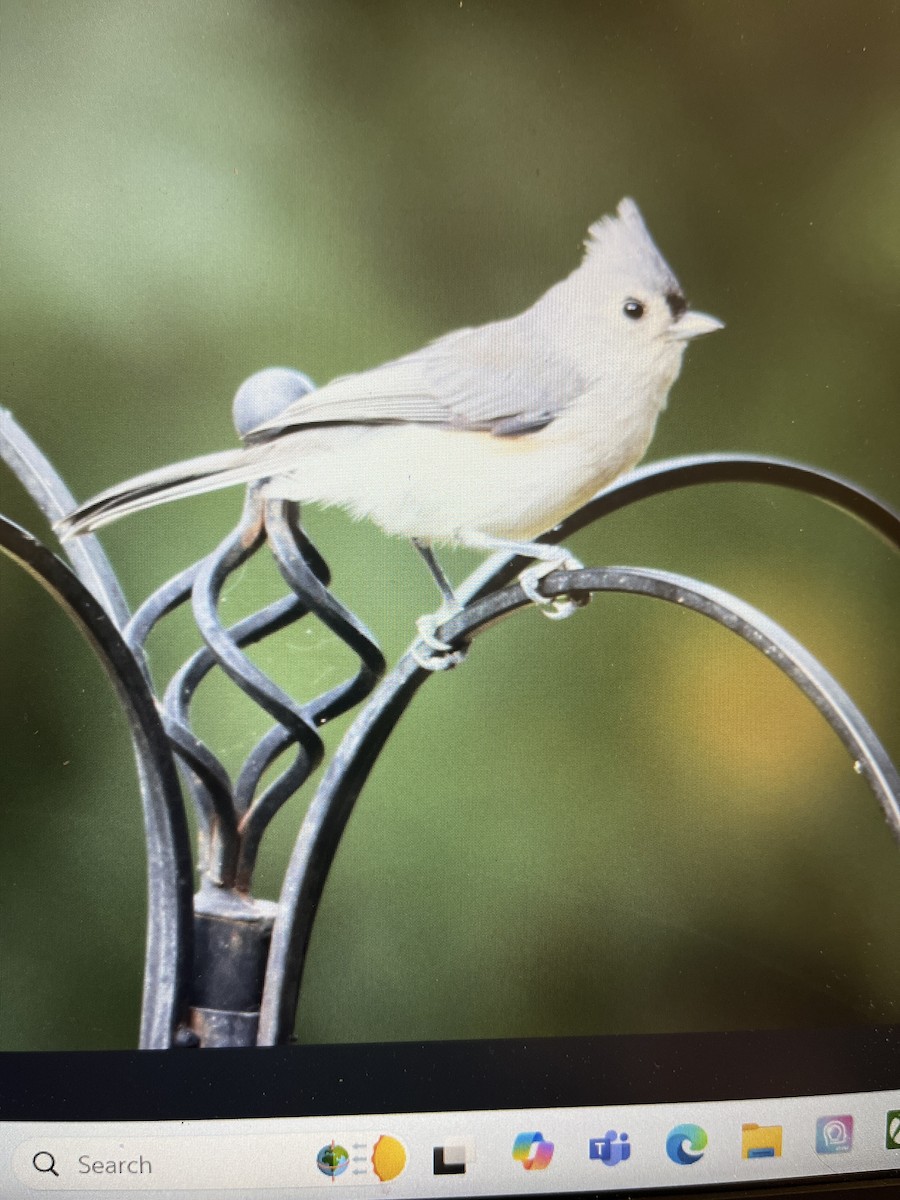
x,y
556,608
436,654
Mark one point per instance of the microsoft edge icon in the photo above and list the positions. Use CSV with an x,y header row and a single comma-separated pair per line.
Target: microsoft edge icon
x,y
685,1144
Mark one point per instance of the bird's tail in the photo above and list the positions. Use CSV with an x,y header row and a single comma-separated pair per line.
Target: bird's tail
x,y
190,478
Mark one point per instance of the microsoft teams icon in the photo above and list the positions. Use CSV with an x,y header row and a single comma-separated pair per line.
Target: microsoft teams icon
x,y
611,1149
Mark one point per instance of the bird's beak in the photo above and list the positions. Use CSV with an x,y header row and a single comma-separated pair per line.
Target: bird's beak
x,y
691,325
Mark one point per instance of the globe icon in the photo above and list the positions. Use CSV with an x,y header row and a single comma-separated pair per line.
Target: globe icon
x,y
332,1160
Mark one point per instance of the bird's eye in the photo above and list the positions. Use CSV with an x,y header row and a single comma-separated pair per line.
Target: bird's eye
x,y
633,309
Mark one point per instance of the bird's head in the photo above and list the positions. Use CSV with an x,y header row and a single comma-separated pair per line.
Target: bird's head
x,y
636,303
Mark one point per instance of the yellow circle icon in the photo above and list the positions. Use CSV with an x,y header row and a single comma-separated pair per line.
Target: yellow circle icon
x,y
388,1158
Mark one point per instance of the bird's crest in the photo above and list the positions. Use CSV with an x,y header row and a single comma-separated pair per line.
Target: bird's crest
x,y
622,245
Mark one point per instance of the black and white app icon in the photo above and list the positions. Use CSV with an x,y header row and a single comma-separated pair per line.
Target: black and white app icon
x,y
452,1158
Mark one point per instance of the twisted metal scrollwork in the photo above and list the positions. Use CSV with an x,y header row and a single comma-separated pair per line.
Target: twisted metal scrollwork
x,y
231,973
234,815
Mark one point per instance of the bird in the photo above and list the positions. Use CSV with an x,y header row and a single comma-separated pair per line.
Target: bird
x,y
484,438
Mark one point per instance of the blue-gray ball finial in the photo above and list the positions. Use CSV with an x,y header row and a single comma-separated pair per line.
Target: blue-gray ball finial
x,y
266,394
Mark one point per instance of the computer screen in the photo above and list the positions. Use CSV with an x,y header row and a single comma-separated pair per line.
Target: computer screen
x,y
486,904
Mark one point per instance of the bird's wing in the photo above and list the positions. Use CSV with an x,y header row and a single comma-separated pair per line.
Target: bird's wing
x,y
507,378
495,378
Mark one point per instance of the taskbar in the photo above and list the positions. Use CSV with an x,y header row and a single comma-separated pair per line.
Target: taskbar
x,y
768,1143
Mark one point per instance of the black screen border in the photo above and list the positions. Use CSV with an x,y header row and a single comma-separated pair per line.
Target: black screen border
x,y
335,1080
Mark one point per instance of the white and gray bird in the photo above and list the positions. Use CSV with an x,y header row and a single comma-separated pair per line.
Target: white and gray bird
x,y
484,438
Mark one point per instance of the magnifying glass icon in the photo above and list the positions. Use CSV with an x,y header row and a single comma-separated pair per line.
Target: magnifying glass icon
x,y
44,1162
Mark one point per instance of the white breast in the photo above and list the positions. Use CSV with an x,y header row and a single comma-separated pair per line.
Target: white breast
x,y
440,485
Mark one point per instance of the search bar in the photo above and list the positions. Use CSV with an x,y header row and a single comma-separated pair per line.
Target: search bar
x,y
217,1162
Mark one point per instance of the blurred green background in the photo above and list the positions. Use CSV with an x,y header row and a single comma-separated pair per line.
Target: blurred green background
x,y
626,822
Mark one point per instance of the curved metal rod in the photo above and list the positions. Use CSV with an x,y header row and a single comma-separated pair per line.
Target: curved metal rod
x,y
273,743
209,783
207,779
290,547
326,819
671,475
259,815
232,822
317,842
169,951
226,845
210,788
169,596
247,632
296,557
230,555
220,807
53,498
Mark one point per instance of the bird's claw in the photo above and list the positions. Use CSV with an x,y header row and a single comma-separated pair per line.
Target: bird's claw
x,y
556,608
436,655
